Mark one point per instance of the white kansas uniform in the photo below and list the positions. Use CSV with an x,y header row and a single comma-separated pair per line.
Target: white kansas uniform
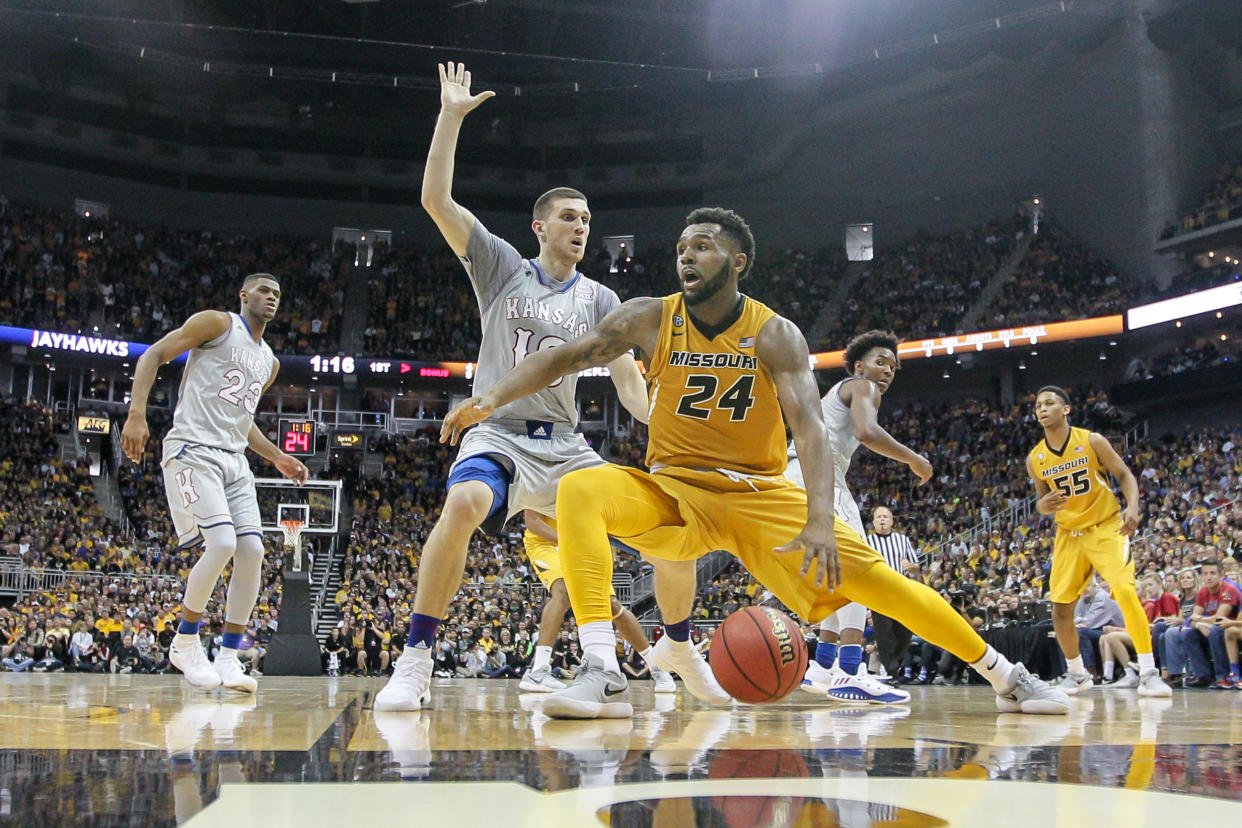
x,y
841,437
206,475
522,310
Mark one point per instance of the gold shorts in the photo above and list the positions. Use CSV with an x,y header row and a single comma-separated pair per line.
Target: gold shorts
x,y
1075,553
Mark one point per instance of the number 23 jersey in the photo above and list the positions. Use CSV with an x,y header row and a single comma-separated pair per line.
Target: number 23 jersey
x,y
713,403
1076,471
220,389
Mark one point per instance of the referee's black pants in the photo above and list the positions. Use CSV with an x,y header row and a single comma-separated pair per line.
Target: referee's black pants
x,y
892,640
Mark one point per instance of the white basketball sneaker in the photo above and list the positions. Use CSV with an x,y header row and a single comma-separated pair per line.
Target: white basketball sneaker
x,y
1129,681
190,658
233,674
863,689
681,658
818,679
1072,685
663,681
1028,694
409,689
1152,686
596,693
540,681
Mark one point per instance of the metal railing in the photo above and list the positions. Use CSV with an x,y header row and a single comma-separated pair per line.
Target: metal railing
x,y
329,419
24,581
984,528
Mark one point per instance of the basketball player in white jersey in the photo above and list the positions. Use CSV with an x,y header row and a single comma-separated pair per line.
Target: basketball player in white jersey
x,y
210,487
513,461
850,410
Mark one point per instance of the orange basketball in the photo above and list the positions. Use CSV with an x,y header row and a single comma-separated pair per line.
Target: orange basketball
x,y
758,655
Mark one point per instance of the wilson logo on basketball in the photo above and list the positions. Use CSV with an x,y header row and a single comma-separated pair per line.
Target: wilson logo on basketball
x,y
781,633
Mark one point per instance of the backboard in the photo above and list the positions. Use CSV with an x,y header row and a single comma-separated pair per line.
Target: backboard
x,y
322,499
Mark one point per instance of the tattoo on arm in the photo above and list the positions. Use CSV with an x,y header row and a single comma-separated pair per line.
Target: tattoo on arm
x,y
615,335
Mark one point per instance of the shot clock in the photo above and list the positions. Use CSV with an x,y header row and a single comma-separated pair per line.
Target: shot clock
x,y
296,437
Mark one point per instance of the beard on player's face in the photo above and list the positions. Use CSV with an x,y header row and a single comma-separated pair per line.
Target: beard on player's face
x,y
708,286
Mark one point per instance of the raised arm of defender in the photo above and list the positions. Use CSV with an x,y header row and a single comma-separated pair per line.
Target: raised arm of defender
x,y
455,222
783,351
864,403
635,324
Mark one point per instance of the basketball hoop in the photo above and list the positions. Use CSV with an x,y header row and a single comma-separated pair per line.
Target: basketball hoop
x,y
292,530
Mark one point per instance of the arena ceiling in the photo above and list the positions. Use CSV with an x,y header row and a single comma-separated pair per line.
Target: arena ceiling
x,y
654,66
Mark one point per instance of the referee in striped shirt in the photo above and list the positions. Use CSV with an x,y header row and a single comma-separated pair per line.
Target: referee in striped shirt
x,y
891,638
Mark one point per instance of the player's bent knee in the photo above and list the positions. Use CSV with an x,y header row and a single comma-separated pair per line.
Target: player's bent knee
x,y
469,500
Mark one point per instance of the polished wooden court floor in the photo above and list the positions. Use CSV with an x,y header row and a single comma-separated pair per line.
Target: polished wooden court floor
x,y
147,750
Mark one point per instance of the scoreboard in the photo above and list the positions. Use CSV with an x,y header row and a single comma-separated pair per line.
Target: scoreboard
x,y
296,437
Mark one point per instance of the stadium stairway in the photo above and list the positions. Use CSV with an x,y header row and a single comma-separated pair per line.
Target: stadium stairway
x,y
706,569
108,494
854,271
354,316
326,574
975,317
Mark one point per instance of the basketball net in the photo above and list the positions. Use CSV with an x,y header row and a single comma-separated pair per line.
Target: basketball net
x,y
292,530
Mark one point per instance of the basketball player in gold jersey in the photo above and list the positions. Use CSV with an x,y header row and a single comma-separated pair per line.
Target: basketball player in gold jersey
x,y
723,369
1093,532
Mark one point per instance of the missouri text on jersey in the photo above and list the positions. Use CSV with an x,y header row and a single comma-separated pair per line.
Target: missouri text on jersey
x,y
1064,467
688,359
517,308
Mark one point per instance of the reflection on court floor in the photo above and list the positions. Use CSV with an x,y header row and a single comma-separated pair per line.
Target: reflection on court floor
x,y
145,750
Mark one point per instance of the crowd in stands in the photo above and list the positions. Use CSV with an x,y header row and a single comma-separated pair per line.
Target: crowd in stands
x,y
64,272
421,306
1222,201
1060,278
1198,278
976,447
98,591
501,600
925,285
1203,352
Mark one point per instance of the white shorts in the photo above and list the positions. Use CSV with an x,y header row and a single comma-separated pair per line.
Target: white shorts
x,y
842,501
209,487
537,465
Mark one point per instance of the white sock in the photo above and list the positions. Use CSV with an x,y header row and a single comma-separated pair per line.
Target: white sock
x,y
645,655
543,658
598,639
1146,662
226,652
1075,666
185,639
1109,666
995,668
416,652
